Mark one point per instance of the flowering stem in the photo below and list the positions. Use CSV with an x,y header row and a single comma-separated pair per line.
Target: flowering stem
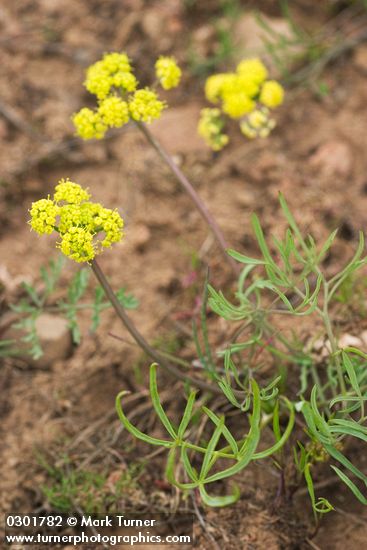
x,y
139,338
182,179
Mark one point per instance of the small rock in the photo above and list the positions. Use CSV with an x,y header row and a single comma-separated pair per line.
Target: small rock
x,y
360,58
152,23
140,237
333,158
177,130
203,38
55,338
321,348
250,36
347,340
363,337
245,198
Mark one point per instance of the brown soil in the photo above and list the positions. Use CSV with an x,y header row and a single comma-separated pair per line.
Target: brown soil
x,y
316,157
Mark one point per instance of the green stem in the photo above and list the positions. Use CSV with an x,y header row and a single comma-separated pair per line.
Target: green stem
x,y
187,186
332,340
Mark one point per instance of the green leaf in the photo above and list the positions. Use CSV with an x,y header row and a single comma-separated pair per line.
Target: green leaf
x,y
51,275
219,501
170,468
357,493
345,462
78,285
349,367
209,455
225,431
134,431
32,293
187,464
157,404
244,259
129,301
322,505
187,415
280,438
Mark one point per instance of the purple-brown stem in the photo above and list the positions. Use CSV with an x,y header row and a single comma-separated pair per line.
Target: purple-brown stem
x,y
187,186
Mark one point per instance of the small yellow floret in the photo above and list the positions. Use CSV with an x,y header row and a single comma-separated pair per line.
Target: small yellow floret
x,y
43,216
115,61
98,81
111,223
210,128
167,72
113,70
272,94
77,243
124,80
114,112
145,105
253,69
88,124
70,192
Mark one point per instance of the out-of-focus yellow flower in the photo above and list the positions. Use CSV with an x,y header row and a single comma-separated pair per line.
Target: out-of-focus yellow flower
x,y
257,124
145,105
167,72
88,124
210,128
272,94
85,227
237,105
253,69
116,61
43,216
244,95
114,112
214,86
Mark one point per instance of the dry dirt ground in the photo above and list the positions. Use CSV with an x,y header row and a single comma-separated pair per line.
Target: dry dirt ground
x,y
316,157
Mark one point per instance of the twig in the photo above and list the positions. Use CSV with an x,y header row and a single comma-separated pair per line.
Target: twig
x,y
313,545
17,121
203,524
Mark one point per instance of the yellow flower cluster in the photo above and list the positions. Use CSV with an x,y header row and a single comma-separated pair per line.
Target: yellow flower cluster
x,y
167,72
114,112
210,128
112,71
258,124
43,216
272,94
89,124
70,192
112,81
145,105
246,95
84,227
